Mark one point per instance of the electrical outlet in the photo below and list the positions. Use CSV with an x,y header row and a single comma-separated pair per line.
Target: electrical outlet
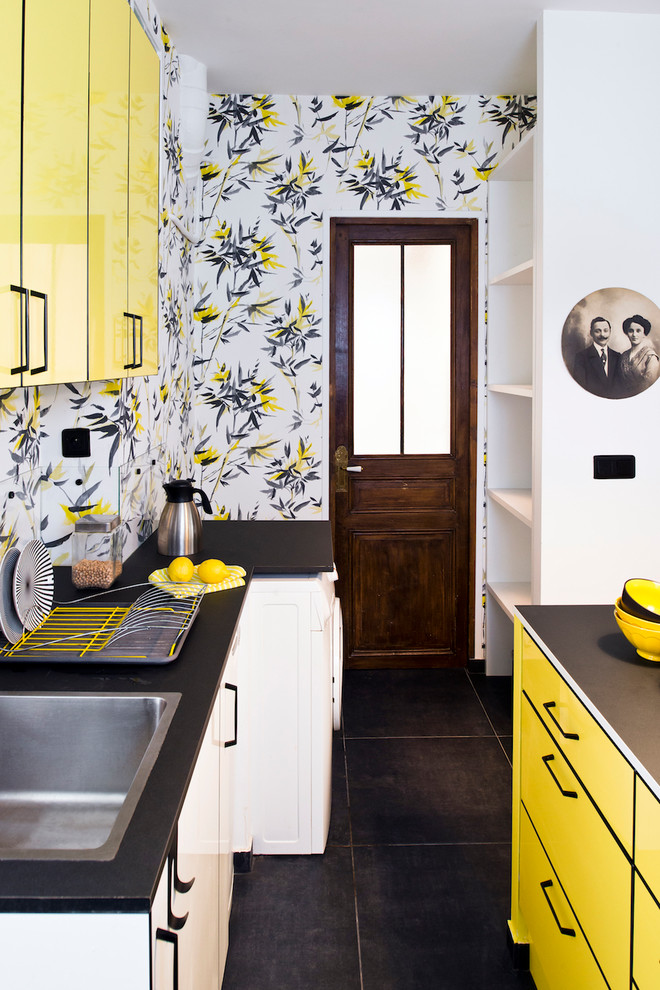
x,y
76,442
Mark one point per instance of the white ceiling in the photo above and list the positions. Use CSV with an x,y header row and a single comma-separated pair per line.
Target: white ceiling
x,y
379,47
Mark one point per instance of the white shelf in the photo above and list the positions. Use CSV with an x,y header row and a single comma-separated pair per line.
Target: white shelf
x,y
525,391
518,275
508,594
511,252
518,166
517,501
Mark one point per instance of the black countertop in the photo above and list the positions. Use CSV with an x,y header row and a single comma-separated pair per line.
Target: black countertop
x,y
620,688
128,882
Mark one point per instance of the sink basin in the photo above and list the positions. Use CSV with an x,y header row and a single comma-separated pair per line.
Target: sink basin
x,y
72,768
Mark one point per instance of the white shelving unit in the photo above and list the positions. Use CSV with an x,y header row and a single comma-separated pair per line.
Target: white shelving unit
x,y
510,400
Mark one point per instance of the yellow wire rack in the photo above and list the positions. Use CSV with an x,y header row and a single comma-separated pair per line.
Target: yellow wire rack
x,y
151,630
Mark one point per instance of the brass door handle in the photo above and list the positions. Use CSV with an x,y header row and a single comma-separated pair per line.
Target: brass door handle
x,y
342,468
341,463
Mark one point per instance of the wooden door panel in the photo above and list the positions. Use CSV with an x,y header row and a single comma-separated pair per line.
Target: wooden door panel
x,y
401,496
396,577
404,523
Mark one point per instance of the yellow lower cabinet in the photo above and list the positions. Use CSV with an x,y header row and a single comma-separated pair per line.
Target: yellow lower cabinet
x,y
559,956
647,835
646,939
606,775
594,869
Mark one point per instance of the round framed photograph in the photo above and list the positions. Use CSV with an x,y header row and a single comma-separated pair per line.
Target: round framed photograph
x,y
611,343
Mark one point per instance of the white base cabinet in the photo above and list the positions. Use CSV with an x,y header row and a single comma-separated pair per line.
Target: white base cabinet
x,y
202,869
271,793
75,951
182,943
285,777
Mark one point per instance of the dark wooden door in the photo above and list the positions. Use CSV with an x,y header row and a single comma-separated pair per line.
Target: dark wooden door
x,y
404,513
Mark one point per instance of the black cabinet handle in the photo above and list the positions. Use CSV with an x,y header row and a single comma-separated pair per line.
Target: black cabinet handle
x,y
25,330
44,366
547,760
135,319
164,936
131,317
553,704
175,882
545,886
136,363
234,688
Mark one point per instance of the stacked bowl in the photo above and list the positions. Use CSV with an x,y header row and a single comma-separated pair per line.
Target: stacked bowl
x,y
637,613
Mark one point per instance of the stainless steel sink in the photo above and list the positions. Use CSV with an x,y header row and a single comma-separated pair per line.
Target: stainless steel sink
x,y
72,768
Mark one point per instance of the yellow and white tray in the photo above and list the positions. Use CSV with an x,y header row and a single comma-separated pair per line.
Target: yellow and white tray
x,y
183,589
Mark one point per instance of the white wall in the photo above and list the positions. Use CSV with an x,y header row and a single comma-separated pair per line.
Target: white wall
x,y
599,79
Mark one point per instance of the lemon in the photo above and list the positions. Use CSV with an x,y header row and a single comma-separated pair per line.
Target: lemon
x,y
180,569
212,571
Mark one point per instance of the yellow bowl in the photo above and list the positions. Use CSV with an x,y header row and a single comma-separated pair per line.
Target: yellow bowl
x,y
641,597
645,641
633,620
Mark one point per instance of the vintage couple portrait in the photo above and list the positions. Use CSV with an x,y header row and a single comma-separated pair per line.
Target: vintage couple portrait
x,y
611,343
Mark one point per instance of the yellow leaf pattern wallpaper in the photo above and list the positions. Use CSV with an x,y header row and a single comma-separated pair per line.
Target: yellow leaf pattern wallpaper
x,y
277,167
237,402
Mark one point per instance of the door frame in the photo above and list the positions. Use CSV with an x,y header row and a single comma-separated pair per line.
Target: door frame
x,y
476,564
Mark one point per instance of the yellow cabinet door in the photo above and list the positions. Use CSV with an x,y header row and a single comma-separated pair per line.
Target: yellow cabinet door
x,y
646,939
594,870
604,772
647,835
54,190
11,300
143,201
108,187
559,956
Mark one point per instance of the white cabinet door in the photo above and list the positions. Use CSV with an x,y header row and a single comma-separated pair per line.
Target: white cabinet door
x,y
164,943
290,701
195,874
229,728
75,951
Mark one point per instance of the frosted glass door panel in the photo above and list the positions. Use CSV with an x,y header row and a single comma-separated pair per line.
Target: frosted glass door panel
x,y
427,349
402,349
377,349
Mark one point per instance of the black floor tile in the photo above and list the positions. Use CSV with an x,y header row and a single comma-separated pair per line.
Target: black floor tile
x,y
429,790
507,743
293,925
496,695
411,703
340,828
434,918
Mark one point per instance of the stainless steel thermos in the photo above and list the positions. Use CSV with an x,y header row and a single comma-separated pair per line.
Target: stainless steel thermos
x,y
180,528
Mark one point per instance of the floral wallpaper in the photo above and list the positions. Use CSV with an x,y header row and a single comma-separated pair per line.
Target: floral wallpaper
x,y
276,168
141,428
237,403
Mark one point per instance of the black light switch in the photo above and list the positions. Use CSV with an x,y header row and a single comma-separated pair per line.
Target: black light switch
x,y
614,466
76,443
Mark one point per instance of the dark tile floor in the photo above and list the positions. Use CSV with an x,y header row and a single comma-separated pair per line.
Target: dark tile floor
x,y
412,892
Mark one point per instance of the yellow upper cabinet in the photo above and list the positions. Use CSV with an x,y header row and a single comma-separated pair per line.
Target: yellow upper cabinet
x,y
108,187
143,202
48,315
78,209
11,301
123,194
55,188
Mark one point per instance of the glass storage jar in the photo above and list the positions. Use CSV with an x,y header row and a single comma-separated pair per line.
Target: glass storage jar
x,y
95,551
